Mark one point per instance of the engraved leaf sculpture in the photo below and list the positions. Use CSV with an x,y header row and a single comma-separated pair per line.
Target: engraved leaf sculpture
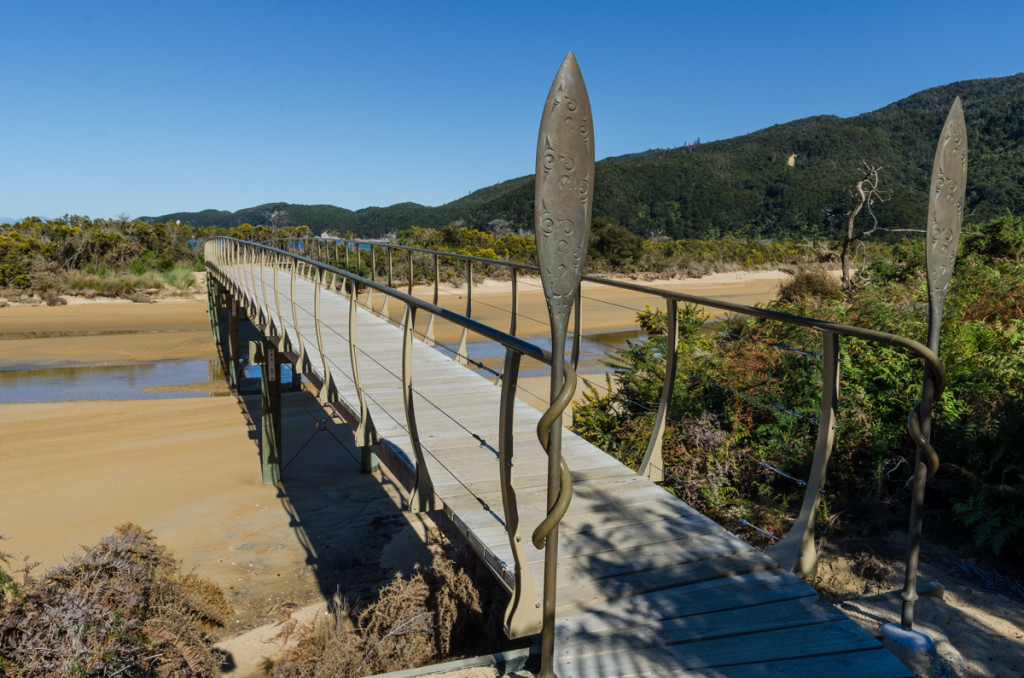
x,y
565,178
945,212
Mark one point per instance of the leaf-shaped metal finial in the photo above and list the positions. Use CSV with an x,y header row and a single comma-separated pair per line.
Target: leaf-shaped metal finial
x,y
564,203
945,214
564,184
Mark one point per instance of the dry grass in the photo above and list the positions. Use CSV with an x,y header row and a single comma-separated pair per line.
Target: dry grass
x,y
110,284
811,284
417,620
121,608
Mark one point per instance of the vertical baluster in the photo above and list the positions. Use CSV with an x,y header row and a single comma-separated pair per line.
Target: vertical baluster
x,y
301,360
265,317
282,332
515,302
796,551
359,269
409,289
384,310
329,392
522,615
405,313
233,349
373,278
253,308
577,324
428,336
422,497
462,353
653,465
366,433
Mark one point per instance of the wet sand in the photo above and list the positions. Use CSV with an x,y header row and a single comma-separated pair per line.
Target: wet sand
x,y
104,332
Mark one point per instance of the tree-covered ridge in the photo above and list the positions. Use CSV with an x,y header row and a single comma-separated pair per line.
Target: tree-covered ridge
x,y
789,180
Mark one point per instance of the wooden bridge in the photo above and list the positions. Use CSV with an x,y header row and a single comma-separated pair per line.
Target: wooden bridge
x,y
646,586
643,585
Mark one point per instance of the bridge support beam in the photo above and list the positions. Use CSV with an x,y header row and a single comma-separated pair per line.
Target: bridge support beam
x,y
369,462
266,355
234,357
213,307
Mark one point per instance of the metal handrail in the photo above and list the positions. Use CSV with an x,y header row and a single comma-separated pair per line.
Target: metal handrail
x,y
796,550
916,347
464,321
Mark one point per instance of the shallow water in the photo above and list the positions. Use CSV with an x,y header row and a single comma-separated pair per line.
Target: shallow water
x,y
139,381
593,352
195,378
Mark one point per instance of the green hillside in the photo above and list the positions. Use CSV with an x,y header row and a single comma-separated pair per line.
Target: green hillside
x,y
789,180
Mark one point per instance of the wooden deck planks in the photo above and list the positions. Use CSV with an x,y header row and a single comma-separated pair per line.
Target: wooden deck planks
x,y
647,585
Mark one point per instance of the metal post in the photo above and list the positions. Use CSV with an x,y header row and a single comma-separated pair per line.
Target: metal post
x,y
265,354
515,302
577,322
462,352
945,217
233,352
522,615
562,211
428,336
212,295
365,434
653,465
422,497
796,551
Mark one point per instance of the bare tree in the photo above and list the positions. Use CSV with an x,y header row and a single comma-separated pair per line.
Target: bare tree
x,y
276,219
868,193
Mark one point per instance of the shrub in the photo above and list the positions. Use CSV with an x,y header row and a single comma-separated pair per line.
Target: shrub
x,y
180,279
810,284
415,621
121,608
764,396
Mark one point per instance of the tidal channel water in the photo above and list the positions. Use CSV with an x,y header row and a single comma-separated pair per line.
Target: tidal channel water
x,y
137,381
195,378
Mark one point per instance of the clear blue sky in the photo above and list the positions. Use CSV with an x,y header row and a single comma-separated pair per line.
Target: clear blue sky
x,y
145,108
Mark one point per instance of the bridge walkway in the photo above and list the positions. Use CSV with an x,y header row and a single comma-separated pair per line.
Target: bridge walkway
x,y
647,586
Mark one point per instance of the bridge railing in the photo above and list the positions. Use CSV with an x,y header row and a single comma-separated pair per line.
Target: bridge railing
x,y
796,550
378,259
256,276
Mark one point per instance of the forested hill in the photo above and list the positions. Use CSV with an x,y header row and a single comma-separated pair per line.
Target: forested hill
x,y
788,180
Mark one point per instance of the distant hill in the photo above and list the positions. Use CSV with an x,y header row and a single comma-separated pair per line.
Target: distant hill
x,y
784,181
